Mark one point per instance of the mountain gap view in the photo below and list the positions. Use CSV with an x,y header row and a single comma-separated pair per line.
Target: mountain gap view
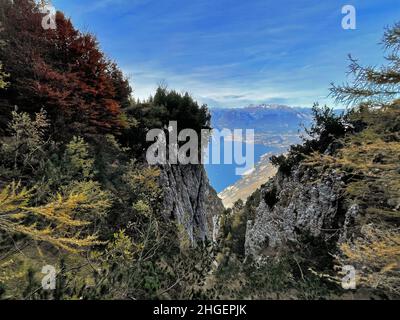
x,y
175,151
276,127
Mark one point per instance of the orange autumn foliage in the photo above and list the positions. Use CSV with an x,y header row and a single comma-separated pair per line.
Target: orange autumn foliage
x,y
61,70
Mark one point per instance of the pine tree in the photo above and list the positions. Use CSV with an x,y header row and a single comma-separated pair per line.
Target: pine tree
x,y
376,85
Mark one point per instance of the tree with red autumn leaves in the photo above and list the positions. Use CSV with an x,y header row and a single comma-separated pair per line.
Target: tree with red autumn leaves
x,y
60,70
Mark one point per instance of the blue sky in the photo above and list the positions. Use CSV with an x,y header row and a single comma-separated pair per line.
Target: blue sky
x,y
230,53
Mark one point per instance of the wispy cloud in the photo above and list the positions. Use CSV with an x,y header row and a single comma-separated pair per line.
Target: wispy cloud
x,y
230,53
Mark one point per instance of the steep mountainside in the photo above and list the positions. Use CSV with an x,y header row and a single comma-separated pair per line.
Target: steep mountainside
x,y
249,183
332,207
189,198
341,200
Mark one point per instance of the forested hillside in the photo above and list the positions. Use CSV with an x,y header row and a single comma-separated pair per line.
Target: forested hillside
x,y
77,195
75,190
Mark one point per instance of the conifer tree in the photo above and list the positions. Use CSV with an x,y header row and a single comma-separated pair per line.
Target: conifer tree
x,y
377,85
56,222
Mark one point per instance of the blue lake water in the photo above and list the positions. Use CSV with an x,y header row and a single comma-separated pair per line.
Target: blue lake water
x,y
222,176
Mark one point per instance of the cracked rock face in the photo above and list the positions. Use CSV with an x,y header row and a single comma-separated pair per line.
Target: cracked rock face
x,y
189,199
304,203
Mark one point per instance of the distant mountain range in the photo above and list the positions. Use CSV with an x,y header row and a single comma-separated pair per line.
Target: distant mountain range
x,y
265,118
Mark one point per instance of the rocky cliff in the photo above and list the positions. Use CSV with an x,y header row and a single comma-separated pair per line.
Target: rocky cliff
x,y
332,189
304,203
189,198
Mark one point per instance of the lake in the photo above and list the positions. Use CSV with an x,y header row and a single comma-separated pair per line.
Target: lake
x,y
222,176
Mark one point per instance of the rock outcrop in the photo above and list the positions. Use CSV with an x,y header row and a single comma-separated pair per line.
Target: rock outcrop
x,y
189,198
304,203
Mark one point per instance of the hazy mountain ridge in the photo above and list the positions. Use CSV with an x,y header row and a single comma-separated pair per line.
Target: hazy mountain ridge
x,y
265,118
